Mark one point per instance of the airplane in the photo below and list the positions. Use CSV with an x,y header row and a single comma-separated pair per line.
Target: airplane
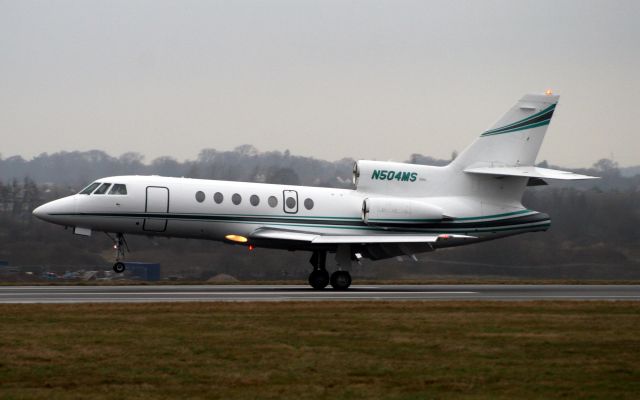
x,y
395,210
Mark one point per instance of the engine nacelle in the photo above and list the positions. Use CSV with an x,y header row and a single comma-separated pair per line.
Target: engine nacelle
x,y
391,177
384,171
393,211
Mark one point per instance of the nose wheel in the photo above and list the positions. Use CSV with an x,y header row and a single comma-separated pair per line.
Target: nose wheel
x,y
119,267
120,245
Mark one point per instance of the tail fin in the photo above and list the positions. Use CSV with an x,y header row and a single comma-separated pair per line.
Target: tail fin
x,y
508,151
515,139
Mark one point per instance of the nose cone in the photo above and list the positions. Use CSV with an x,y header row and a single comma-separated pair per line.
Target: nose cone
x,y
43,212
56,211
39,212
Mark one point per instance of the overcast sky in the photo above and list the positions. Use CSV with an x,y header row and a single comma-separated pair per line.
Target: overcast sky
x,y
329,79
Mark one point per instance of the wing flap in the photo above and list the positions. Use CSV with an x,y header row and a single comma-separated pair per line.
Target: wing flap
x,y
363,239
282,234
317,238
528,172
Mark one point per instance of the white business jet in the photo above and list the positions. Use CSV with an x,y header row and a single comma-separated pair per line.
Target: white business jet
x,y
395,210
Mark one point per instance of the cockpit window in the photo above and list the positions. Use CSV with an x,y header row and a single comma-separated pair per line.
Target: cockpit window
x,y
102,189
90,188
118,189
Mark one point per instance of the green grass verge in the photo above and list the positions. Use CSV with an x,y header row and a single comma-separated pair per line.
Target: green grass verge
x,y
373,350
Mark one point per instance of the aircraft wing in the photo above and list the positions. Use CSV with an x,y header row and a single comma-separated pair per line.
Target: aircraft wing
x,y
321,238
528,172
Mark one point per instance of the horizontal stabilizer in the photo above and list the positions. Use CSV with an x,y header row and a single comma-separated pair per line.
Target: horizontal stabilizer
x,y
317,238
528,172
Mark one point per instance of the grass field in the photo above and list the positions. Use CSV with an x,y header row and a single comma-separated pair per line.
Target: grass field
x,y
373,350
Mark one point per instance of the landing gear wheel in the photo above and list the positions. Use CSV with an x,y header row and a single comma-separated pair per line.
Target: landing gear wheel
x,y
118,267
319,279
341,280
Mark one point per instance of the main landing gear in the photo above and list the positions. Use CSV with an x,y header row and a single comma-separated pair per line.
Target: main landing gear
x,y
120,245
319,278
341,280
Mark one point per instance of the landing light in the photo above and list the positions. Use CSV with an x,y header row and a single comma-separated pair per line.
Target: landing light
x,y
237,238
548,92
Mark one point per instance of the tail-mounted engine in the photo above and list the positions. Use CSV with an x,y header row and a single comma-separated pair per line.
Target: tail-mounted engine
x,y
397,211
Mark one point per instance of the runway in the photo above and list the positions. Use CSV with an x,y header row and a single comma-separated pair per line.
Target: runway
x,y
209,293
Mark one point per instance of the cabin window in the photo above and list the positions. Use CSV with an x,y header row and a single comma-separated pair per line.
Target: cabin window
x,y
118,189
254,200
273,201
90,188
218,197
308,204
200,196
290,202
102,189
236,199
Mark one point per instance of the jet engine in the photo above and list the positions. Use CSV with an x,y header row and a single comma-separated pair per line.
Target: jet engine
x,y
384,171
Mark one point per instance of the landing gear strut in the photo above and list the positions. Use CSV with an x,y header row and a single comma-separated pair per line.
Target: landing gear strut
x,y
341,279
319,277
120,245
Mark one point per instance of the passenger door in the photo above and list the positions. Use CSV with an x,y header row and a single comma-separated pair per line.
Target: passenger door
x,y
157,203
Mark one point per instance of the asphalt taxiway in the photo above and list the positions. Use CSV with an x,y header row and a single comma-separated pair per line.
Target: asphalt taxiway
x,y
181,293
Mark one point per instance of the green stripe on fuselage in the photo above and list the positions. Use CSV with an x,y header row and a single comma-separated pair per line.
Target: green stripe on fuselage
x,y
447,227
288,216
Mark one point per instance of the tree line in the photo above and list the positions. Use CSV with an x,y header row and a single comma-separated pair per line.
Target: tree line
x,y
594,231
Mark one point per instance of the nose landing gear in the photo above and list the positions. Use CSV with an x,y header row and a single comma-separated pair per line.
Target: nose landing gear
x,y
121,246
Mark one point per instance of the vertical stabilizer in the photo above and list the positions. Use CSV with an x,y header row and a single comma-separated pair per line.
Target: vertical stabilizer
x,y
515,139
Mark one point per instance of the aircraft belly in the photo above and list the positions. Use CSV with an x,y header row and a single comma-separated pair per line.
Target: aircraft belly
x,y
109,224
